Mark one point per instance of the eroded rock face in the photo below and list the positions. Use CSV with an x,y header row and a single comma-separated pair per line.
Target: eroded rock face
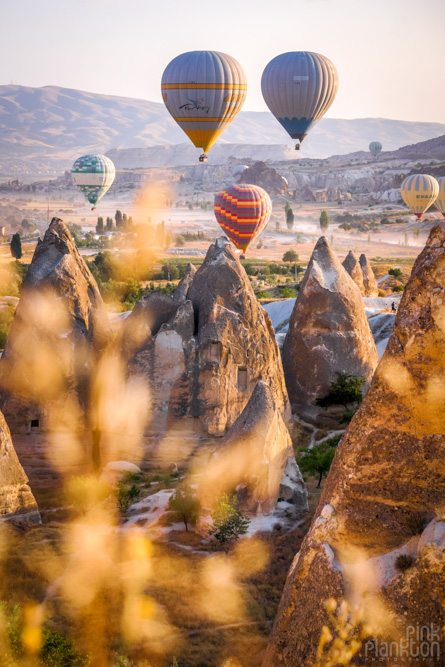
x,y
17,504
384,496
59,330
328,333
354,269
211,345
252,457
369,281
266,177
235,339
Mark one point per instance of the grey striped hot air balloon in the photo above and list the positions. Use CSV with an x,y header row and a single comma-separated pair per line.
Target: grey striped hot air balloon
x,y
299,87
375,148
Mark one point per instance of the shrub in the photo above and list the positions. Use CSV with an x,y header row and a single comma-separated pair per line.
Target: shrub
x,y
395,272
228,523
126,495
404,562
345,390
262,295
185,503
398,288
58,651
287,293
415,524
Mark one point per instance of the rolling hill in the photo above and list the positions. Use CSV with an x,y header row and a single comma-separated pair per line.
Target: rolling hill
x,y
53,123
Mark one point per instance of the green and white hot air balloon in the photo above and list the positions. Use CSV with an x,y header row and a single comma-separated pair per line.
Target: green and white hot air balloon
x,y
375,147
94,175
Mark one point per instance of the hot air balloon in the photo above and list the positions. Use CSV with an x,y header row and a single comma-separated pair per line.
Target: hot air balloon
x,y
203,91
239,170
375,148
299,87
440,201
94,175
418,192
242,211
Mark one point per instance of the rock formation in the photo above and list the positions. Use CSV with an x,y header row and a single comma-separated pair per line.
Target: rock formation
x,y
252,457
369,281
382,507
328,333
202,353
266,177
17,504
59,329
354,269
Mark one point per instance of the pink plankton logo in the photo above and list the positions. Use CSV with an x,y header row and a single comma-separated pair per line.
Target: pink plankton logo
x,y
420,642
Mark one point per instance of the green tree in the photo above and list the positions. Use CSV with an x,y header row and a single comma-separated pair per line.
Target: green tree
x,y
170,272
416,232
324,221
186,503
180,241
228,523
317,460
100,225
16,246
109,224
395,272
259,245
124,221
118,218
290,256
345,390
289,218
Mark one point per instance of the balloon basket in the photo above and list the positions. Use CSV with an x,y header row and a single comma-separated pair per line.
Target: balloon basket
x,y
203,158
297,147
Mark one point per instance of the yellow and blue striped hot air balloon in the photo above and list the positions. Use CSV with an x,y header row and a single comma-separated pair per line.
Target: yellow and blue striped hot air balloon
x,y
375,147
440,201
242,211
203,91
299,87
418,192
93,175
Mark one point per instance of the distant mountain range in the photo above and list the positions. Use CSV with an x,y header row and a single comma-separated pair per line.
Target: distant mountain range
x,y
53,123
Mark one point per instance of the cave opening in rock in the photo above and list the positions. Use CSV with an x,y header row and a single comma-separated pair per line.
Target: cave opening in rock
x,y
35,425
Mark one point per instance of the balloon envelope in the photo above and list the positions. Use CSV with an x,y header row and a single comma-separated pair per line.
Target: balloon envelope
x,y
440,201
299,87
94,175
239,170
418,192
375,148
203,91
242,211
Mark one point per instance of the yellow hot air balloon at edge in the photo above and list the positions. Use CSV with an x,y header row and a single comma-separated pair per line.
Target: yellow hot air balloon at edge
x,y
418,192
440,201
203,91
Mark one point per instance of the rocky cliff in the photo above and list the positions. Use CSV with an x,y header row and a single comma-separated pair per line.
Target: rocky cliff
x,y
378,536
328,333
354,269
252,457
369,281
59,329
266,177
17,504
206,354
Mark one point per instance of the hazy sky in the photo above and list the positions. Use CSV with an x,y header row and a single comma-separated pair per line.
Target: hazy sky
x,y
390,54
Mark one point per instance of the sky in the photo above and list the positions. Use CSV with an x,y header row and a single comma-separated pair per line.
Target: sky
x,y
389,54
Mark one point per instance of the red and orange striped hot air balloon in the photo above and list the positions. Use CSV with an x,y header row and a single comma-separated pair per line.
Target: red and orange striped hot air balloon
x,y
242,211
